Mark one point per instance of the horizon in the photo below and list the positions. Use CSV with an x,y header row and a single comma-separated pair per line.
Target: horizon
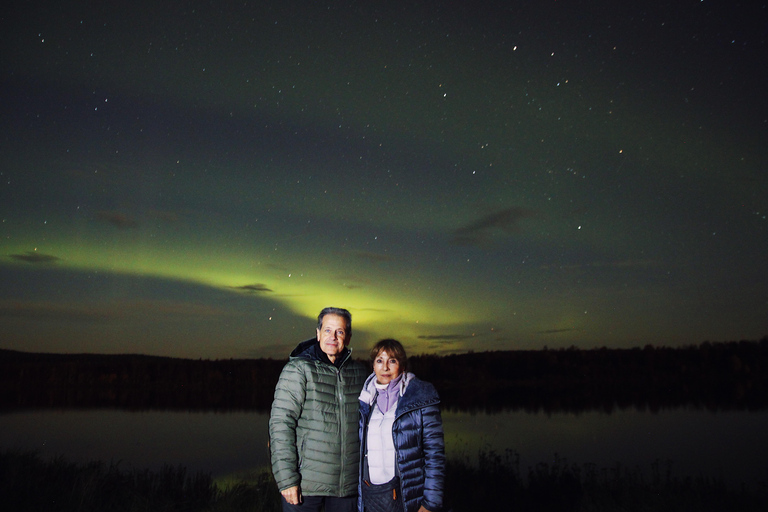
x,y
694,346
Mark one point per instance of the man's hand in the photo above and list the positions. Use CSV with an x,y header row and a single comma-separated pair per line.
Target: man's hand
x,y
292,495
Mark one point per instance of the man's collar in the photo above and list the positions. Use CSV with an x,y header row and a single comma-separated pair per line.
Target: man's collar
x,y
322,356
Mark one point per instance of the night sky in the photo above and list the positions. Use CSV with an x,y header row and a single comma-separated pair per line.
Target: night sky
x,y
198,179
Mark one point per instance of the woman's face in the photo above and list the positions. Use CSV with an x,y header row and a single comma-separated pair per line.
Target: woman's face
x,y
386,369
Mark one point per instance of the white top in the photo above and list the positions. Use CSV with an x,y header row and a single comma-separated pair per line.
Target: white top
x,y
380,444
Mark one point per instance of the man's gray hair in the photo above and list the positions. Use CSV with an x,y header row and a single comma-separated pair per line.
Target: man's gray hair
x,y
346,315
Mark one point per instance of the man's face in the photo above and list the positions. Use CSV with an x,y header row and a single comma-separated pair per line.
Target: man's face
x,y
333,336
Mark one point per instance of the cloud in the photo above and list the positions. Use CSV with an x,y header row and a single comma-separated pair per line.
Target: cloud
x,y
374,256
640,264
445,338
448,343
480,231
353,281
165,216
117,219
633,264
46,310
141,308
253,288
35,257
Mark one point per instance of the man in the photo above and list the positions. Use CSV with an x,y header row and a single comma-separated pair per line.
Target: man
x,y
313,424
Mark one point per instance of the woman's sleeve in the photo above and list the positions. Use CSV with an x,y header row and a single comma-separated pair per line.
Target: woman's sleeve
x,y
434,458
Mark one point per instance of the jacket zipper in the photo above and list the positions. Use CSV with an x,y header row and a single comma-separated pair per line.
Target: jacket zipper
x,y
342,423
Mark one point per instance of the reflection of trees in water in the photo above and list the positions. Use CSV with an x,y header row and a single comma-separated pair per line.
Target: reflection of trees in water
x,y
716,376
711,375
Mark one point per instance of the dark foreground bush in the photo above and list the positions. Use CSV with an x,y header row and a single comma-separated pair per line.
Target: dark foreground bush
x,y
28,483
496,483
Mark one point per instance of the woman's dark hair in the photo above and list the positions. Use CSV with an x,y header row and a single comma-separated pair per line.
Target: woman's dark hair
x,y
394,350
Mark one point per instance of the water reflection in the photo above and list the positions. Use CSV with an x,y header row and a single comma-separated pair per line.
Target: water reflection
x,y
217,443
730,444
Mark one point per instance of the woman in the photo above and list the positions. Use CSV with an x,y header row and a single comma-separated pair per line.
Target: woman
x,y
402,463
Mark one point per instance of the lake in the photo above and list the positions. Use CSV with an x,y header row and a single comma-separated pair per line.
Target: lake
x,y
727,444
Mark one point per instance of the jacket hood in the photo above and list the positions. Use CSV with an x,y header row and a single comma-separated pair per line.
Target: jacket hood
x,y
309,349
304,349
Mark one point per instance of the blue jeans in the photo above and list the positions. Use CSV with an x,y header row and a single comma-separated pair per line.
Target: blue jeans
x,y
315,504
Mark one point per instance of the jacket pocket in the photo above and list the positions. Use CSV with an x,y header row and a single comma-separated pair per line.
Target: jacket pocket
x,y
302,446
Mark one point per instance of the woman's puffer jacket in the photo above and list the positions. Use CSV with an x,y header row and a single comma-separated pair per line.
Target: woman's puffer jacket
x,y
418,437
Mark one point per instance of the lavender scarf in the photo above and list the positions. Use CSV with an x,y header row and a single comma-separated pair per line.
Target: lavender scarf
x,y
387,397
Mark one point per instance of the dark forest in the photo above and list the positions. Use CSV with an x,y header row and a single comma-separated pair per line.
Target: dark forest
x,y
712,375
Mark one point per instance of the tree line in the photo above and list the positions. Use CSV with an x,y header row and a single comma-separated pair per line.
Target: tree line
x,y
717,376
713,375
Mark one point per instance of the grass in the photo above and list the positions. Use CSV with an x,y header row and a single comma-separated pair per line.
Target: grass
x,y
29,483
494,482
